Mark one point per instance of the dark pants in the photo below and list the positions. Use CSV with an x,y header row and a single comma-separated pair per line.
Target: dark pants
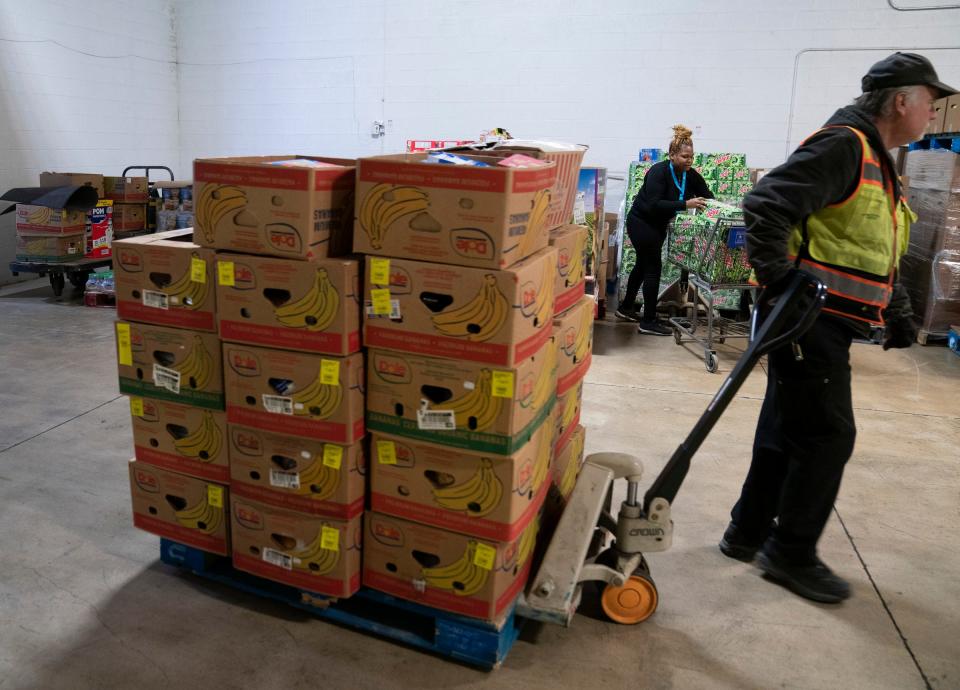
x,y
648,243
805,435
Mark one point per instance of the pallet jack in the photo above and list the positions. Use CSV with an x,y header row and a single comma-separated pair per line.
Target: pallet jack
x,y
575,554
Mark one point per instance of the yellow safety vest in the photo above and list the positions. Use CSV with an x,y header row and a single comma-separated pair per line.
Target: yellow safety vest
x,y
855,246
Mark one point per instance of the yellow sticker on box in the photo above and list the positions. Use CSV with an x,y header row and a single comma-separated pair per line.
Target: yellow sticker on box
x,y
225,273
501,384
124,353
332,456
198,269
380,271
381,300
215,496
387,452
329,538
136,407
330,372
485,557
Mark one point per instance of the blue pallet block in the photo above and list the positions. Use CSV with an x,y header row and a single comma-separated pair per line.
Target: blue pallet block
x,y
932,142
468,640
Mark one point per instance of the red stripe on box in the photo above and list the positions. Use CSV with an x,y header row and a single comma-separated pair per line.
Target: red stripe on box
x,y
569,380
312,583
181,534
290,338
51,229
533,179
436,345
296,502
531,346
178,463
326,180
568,298
295,426
269,176
434,175
180,318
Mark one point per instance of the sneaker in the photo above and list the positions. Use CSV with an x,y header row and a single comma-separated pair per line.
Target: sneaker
x,y
626,314
733,545
654,328
815,582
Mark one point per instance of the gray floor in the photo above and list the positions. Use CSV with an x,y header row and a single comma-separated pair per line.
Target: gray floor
x,y
84,602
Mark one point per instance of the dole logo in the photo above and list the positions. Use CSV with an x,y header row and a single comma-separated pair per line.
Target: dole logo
x,y
150,411
136,340
386,533
391,369
526,387
130,260
569,340
247,443
247,516
528,299
400,281
244,362
243,277
525,473
563,261
472,243
146,481
405,456
283,237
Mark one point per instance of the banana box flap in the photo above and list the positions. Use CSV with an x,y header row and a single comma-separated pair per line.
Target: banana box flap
x,y
70,197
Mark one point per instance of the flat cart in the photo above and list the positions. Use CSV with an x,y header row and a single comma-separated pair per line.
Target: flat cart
x,y
59,273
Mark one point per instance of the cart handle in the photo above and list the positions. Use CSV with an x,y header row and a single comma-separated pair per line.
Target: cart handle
x,y
147,169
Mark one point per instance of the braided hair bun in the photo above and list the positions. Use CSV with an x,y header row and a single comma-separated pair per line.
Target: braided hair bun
x,y
682,136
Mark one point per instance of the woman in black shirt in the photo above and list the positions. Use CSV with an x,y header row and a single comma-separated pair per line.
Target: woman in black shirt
x,y
669,187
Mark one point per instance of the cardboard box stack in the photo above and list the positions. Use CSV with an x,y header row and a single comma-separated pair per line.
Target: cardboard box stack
x,y
173,204
129,196
459,288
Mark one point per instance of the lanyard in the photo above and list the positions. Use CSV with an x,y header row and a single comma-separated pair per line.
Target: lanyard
x,y
682,183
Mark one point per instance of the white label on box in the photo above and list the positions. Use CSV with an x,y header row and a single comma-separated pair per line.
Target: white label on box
x,y
278,404
281,560
285,480
394,314
437,420
157,300
166,378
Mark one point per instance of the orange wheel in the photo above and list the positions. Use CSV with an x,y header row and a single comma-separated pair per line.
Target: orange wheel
x,y
632,603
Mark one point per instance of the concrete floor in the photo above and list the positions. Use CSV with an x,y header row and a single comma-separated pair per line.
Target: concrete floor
x,y
84,602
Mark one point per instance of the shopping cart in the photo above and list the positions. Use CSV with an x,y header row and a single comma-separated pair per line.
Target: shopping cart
x,y
711,249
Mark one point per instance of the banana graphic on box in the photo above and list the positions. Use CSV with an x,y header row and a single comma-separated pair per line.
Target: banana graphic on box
x,y
185,292
541,465
40,216
463,577
320,481
213,203
314,557
538,214
479,319
204,443
197,367
581,346
577,270
545,386
314,311
528,540
476,496
385,204
569,409
478,405
570,472
317,400
202,516
544,301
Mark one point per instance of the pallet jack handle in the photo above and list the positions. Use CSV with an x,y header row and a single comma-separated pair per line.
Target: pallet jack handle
x,y
791,315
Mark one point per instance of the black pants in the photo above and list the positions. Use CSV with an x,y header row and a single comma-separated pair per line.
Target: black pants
x,y
805,435
648,242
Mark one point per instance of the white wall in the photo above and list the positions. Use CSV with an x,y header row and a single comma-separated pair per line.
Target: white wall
x,y
311,76
88,87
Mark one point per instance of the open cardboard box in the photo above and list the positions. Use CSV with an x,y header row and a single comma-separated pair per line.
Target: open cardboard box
x,y
489,217
253,205
480,494
40,220
574,337
293,305
570,241
296,393
185,509
170,364
315,553
165,279
54,179
296,473
460,403
494,317
181,438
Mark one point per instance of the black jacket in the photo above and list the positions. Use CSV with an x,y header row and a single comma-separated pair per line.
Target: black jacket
x,y
658,200
824,170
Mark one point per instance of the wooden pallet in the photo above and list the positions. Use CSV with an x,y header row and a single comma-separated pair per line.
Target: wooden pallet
x,y
931,337
462,639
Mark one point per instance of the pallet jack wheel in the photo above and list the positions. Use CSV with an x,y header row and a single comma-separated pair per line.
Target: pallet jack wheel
x,y
633,602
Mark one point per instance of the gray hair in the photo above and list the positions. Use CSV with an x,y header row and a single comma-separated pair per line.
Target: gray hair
x,y
879,103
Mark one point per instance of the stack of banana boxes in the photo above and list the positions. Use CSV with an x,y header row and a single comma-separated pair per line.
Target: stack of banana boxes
x,y
460,293
276,367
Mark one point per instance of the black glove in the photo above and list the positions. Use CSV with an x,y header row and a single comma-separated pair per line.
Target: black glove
x,y
899,333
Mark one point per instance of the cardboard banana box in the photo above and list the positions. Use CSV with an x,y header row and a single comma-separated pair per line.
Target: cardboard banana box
x,y
50,248
130,190
483,495
185,509
170,364
455,572
570,241
301,394
568,460
40,220
299,207
298,474
129,217
460,403
489,217
165,279
495,317
294,305
566,415
318,554
574,337
181,438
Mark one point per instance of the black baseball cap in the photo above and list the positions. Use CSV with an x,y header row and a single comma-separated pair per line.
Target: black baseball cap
x,y
904,69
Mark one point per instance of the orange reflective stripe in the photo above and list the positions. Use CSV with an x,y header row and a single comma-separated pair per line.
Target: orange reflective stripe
x,y
851,287
846,315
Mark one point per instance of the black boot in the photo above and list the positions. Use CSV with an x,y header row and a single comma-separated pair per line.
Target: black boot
x,y
734,545
815,582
